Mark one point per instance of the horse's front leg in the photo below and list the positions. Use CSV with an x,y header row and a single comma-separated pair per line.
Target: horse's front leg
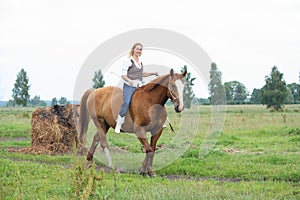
x,y
147,149
154,139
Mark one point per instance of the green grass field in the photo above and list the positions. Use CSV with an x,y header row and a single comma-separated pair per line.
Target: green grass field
x,y
255,155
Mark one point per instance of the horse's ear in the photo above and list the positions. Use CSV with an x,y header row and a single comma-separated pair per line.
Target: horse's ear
x,y
184,73
172,72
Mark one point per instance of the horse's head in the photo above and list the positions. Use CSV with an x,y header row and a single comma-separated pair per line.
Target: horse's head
x,y
175,89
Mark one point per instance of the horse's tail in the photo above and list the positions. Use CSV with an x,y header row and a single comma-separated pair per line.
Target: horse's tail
x,y
84,117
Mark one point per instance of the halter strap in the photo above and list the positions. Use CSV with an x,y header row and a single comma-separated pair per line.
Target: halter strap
x,y
170,91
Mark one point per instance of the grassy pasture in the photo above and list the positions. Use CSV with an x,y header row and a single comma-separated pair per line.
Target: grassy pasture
x,y
255,156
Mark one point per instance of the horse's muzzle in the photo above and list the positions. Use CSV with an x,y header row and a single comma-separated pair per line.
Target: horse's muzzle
x,y
178,108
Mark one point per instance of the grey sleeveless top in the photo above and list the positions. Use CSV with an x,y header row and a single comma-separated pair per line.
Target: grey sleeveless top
x,y
135,73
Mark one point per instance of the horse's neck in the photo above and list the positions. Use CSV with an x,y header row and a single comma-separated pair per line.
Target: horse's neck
x,y
159,92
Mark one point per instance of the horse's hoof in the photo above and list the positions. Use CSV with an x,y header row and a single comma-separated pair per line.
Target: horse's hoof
x,y
142,172
152,174
89,164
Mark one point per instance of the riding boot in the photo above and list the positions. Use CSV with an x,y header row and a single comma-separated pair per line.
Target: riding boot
x,y
120,121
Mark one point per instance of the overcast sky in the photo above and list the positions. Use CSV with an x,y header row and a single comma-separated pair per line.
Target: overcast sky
x,y
52,39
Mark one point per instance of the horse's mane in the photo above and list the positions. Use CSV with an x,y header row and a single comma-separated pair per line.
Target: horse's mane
x,y
154,83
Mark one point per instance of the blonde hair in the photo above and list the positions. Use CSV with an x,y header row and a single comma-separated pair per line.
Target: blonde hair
x,y
133,47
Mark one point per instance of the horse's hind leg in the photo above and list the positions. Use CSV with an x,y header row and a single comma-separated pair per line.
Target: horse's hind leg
x,y
102,127
102,130
92,150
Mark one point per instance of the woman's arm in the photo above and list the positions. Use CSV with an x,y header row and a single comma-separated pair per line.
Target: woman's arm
x,y
145,74
127,79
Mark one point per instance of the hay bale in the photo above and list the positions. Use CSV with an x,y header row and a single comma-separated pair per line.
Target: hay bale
x,y
54,131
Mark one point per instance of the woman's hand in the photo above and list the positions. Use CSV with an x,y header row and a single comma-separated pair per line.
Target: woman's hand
x,y
131,82
155,73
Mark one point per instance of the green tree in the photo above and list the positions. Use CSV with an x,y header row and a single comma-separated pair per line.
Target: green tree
x,y
21,89
228,92
274,92
295,90
11,103
54,101
188,90
36,101
215,86
240,93
98,80
255,96
289,99
236,92
63,101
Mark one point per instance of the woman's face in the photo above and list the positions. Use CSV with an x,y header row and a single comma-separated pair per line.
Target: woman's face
x,y
138,50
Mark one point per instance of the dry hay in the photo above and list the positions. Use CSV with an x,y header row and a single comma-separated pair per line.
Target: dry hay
x,y
54,131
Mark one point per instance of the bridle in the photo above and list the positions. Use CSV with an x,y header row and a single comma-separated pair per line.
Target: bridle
x,y
173,97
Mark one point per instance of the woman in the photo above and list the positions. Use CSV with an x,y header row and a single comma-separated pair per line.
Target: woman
x,y
132,74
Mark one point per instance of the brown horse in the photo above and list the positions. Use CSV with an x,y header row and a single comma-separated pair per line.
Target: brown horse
x,y
146,113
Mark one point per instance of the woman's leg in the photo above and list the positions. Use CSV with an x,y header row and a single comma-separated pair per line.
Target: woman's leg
x,y
127,94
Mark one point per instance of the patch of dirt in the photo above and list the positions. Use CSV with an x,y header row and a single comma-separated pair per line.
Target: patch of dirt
x,y
119,150
14,139
160,146
186,177
233,151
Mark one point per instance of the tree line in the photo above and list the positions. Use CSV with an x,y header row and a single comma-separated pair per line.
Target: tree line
x,y
274,94
21,96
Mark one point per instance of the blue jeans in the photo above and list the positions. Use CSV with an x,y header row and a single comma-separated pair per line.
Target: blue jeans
x,y
127,95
